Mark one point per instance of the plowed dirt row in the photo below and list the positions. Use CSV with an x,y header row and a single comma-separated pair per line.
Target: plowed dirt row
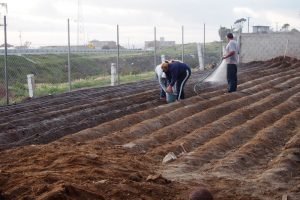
x,y
28,124
242,145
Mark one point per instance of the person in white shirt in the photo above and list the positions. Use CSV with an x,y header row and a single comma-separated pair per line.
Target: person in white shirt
x,y
162,80
231,57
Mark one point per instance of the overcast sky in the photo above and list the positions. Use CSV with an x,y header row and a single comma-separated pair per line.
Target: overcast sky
x,y
44,22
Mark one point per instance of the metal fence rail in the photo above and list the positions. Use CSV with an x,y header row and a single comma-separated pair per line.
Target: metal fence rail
x,y
49,73
64,50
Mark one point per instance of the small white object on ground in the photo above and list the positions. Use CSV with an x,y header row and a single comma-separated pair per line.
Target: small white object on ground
x,y
169,157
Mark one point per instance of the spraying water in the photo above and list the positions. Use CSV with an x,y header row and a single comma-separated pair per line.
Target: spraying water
x,y
219,75
216,77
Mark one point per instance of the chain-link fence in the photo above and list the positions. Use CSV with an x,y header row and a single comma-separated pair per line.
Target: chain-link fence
x,y
50,71
46,66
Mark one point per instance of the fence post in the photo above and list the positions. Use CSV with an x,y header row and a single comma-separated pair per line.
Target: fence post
x,y
200,57
163,58
5,63
286,48
31,85
118,56
69,62
113,72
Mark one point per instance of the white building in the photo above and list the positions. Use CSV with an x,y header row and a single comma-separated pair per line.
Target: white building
x,y
261,29
160,43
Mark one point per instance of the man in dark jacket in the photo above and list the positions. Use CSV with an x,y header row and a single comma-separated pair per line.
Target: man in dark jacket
x,y
178,73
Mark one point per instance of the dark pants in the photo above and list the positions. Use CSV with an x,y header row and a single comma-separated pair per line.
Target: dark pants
x,y
232,77
180,83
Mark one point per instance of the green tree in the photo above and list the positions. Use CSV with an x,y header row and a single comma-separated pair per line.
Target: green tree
x,y
239,25
285,27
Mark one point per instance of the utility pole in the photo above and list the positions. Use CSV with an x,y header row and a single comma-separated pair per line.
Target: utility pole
x,y
69,61
5,62
248,23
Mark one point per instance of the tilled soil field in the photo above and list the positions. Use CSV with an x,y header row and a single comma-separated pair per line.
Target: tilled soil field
x,y
109,143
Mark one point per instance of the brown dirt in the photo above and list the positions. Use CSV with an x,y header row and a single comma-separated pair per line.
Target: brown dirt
x,y
109,143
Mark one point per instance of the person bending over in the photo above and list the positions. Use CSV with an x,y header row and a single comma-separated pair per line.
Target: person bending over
x,y
177,73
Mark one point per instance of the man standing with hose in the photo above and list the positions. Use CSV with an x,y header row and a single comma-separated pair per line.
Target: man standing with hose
x,y
231,57
178,73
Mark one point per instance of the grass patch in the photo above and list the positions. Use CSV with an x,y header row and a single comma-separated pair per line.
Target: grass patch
x,y
19,91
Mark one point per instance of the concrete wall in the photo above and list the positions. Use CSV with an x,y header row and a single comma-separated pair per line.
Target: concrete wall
x,y
265,46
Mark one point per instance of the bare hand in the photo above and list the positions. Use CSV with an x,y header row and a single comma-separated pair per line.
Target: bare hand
x,y
169,89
